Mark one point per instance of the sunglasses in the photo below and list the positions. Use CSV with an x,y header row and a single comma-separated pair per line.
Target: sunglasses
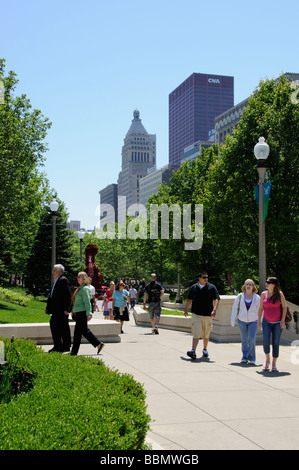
x,y
270,282
205,277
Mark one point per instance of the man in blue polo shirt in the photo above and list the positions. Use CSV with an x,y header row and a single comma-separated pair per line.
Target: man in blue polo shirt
x,y
205,298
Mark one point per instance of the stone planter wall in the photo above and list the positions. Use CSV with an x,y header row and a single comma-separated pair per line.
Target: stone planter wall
x,y
106,331
222,330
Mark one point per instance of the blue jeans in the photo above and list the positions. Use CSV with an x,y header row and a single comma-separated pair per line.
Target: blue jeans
x,y
274,330
248,335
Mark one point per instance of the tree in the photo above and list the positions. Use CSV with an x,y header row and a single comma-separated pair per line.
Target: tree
x,y
223,180
67,251
233,211
5,256
23,187
189,185
123,257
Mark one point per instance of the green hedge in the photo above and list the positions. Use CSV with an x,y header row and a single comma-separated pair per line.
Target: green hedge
x,y
76,403
14,297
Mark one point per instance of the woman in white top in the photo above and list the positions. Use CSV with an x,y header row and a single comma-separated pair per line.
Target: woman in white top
x,y
246,308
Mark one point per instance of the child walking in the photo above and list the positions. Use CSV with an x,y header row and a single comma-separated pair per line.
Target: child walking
x,y
105,308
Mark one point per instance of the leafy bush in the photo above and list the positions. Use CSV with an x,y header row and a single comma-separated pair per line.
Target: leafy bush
x,y
76,403
9,295
14,379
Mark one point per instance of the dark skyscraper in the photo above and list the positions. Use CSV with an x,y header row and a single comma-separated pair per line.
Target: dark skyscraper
x,y
193,106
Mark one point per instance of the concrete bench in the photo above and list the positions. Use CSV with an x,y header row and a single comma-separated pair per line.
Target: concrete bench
x,y
107,331
222,330
171,322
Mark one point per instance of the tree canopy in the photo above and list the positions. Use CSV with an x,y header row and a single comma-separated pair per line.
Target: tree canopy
x,y
23,187
39,266
223,179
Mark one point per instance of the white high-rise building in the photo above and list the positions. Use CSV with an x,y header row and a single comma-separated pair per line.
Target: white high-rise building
x,y
150,184
138,154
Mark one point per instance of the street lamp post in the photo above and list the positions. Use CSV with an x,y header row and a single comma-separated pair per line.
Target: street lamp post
x,y
261,152
81,236
54,208
179,297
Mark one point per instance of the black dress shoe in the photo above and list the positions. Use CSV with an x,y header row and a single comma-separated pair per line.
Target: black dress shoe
x,y
53,350
100,347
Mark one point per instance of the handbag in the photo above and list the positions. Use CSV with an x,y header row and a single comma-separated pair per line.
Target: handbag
x,y
288,317
72,312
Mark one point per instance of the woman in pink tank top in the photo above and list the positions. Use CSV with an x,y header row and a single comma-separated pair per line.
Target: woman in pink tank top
x,y
272,312
273,319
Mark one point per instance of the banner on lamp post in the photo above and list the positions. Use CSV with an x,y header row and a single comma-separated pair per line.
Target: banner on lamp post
x,y
266,196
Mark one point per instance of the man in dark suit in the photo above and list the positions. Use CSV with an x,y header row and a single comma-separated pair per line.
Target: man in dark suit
x,y
59,306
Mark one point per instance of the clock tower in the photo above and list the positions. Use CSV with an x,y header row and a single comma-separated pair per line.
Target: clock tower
x,y
138,155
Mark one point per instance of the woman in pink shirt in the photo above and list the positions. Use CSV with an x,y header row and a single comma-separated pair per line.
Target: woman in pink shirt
x,y
273,305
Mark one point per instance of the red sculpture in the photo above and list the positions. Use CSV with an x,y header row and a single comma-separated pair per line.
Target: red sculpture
x,y
92,270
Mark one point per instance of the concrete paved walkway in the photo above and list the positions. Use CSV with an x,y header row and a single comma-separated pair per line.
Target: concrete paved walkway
x,y
214,403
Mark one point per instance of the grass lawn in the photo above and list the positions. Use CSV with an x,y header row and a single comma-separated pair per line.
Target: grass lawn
x,y
33,313
172,312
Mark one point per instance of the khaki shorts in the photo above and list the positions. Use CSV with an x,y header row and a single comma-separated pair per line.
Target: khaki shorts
x,y
201,326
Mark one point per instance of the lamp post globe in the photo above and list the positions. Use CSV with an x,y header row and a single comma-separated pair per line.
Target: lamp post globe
x,y
54,205
81,235
261,152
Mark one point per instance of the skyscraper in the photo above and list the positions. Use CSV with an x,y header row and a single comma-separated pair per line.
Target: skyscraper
x,y
138,154
108,197
193,106
150,183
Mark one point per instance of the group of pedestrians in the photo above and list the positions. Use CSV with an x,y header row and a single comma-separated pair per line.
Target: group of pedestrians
x,y
60,303
251,312
115,303
117,299
267,313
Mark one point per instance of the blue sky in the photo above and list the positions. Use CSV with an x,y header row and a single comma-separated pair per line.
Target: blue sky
x,y
88,65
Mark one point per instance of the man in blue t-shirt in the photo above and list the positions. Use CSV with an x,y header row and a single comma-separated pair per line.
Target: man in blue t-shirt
x,y
205,298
